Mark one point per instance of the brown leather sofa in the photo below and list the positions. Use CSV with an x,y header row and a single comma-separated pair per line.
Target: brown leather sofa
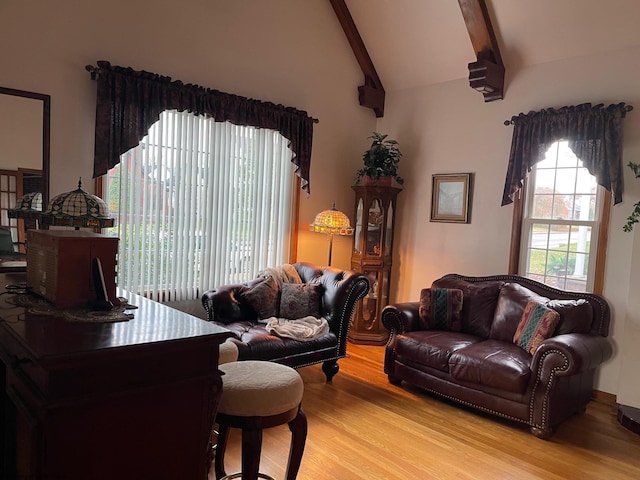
x,y
341,290
481,367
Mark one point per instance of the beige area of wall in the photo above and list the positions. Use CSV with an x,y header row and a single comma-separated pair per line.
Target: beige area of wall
x,y
283,51
447,128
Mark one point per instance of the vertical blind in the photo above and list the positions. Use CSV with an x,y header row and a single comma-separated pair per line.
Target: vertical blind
x,y
200,203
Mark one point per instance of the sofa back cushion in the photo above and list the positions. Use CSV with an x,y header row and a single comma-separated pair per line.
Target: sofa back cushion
x,y
576,316
479,301
512,301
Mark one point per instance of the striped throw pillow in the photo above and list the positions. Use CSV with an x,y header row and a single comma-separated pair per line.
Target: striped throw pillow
x,y
538,323
440,309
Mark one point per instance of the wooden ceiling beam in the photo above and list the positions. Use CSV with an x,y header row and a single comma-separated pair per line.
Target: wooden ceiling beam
x,y
486,74
371,94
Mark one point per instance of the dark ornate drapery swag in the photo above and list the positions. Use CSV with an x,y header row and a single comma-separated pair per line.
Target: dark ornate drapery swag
x,y
594,134
129,102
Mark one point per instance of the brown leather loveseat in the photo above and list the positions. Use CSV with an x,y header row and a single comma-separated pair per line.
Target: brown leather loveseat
x,y
339,291
476,362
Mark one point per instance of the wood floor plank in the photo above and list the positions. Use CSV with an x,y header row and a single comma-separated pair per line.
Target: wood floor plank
x,y
362,427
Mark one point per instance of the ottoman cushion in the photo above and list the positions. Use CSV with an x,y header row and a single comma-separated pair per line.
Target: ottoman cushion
x,y
255,388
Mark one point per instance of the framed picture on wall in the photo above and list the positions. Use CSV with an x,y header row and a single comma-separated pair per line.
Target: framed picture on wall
x,y
450,199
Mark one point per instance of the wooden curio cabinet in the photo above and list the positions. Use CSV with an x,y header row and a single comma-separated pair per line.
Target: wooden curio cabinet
x,y
375,209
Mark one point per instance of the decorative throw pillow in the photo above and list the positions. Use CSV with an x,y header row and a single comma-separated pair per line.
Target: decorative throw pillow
x,y
300,300
264,298
538,323
440,309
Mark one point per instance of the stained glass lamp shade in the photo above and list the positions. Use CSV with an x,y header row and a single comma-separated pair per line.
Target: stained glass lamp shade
x,y
331,222
78,209
28,206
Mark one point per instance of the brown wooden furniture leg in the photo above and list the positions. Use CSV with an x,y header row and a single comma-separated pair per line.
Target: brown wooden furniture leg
x,y
223,437
298,428
251,448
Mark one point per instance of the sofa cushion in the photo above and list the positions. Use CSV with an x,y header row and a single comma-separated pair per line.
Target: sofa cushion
x,y
575,315
440,309
298,300
256,343
492,363
264,298
537,324
431,348
512,301
479,303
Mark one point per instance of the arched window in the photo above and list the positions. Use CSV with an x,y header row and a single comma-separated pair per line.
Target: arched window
x,y
200,203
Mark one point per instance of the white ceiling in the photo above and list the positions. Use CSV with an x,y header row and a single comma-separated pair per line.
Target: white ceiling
x,y
414,43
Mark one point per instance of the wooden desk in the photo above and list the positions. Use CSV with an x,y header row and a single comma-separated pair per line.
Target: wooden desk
x,y
13,263
126,400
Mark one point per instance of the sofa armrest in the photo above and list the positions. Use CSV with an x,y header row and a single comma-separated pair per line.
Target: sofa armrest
x,y
222,304
575,355
571,353
398,318
401,317
342,291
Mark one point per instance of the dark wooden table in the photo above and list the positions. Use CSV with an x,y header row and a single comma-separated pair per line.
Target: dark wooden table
x,y
126,400
13,263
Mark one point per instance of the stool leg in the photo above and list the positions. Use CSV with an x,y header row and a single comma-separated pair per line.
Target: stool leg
x,y
298,427
251,448
223,436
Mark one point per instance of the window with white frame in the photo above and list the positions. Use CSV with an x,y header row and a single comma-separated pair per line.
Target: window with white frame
x,y
561,222
199,204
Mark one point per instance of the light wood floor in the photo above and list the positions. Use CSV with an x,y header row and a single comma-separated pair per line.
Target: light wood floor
x,y
362,427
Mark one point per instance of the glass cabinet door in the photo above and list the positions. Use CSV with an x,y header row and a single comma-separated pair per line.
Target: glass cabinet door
x,y
374,228
372,255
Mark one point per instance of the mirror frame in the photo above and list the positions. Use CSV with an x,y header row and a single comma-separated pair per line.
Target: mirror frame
x,y
46,131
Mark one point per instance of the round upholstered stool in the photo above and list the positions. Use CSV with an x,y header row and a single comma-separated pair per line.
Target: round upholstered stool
x,y
258,395
227,352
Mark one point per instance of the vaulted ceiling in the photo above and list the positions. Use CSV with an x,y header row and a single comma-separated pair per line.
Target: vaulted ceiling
x,y
414,43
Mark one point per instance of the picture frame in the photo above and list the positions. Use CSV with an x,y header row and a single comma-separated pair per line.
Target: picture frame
x,y
450,198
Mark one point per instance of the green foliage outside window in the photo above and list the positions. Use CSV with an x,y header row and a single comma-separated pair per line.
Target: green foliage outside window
x,y
635,215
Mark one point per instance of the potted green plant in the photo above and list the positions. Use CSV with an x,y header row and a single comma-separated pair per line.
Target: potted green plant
x,y
380,162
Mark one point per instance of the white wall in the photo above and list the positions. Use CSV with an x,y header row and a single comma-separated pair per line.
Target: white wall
x,y
447,128
283,51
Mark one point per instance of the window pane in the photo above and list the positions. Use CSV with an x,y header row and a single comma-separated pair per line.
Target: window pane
x,y
539,236
545,180
566,180
580,265
562,207
543,206
566,157
550,158
559,237
556,263
537,261
580,238
586,182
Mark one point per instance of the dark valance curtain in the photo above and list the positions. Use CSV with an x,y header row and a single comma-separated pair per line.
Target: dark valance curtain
x,y
594,134
130,101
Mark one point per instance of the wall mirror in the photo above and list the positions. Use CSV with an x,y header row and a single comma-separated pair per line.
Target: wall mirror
x,y
24,155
